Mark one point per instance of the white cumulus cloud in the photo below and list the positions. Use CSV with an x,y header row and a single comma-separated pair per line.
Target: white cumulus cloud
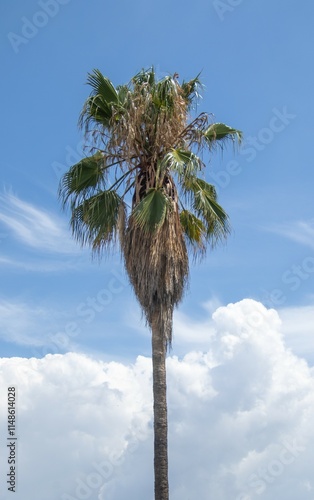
x,y
240,419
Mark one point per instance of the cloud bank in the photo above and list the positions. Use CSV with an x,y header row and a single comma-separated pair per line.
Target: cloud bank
x,y
240,420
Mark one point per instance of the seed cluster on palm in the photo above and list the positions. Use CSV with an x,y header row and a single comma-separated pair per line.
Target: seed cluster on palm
x,y
142,186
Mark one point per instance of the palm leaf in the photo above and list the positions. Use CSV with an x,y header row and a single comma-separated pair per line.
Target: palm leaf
x,y
193,228
123,92
184,162
82,178
144,77
220,131
99,106
102,86
190,90
204,201
150,212
95,221
165,93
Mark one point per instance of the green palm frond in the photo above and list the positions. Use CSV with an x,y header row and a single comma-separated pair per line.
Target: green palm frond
x,y
191,89
144,77
165,94
99,106
150,213
96,220
203,198
102,86
184,162
82,178
194,229
221,132
96,110
123,92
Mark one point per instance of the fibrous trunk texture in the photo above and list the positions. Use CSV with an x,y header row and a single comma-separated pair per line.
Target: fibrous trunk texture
x,y
159,349
157,265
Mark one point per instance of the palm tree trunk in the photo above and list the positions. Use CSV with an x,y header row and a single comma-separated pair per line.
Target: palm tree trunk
x,y
159,349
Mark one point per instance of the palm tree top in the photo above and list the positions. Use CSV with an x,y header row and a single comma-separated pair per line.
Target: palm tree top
x,y
142,139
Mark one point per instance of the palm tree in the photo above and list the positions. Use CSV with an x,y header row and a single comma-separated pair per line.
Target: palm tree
x,y
143,184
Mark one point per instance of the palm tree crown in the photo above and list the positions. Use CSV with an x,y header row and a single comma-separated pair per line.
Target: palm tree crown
x,y
143,183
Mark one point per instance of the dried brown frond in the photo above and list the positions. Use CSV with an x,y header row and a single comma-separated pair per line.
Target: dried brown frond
x,y
193,132
157,265
146,129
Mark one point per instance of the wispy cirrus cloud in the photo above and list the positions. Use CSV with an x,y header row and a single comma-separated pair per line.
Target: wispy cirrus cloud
x,y
22,323
301,231
36,326
42,265
35,227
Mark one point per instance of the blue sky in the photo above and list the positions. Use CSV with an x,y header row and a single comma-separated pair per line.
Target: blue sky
x,y
256,64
